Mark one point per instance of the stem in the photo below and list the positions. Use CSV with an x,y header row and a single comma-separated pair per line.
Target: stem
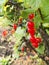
x,y
40,13
45,37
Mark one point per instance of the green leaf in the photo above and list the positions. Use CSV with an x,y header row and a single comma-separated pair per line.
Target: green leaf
x,y
46,19
34,4
47,31
45,7
41,49
5,61
46,25
37,20
27,12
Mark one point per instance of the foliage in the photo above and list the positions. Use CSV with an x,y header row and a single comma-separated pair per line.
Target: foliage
x,y
4,61
12,10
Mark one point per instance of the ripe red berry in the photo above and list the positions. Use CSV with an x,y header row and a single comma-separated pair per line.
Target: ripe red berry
x,y
32,39
22,49
31,16
14,26
38,40
4,33
35,45
31,31
33,42
30,24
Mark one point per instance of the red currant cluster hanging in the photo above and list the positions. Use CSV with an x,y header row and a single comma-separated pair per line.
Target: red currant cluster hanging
x,y
31,30
5,32
14,27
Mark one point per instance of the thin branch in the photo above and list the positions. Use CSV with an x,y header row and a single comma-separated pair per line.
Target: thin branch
x,y
40,13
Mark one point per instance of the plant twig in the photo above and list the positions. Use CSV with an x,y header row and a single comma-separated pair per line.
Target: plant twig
x,y
40,13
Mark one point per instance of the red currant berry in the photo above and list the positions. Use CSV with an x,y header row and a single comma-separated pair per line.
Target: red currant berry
x,y
22,49
32,39
4,33
35,45
38,40
31,16
15,26
30,24
32,32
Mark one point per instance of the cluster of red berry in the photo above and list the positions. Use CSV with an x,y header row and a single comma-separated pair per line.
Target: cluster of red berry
x,y
5,32
14,27
31,30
